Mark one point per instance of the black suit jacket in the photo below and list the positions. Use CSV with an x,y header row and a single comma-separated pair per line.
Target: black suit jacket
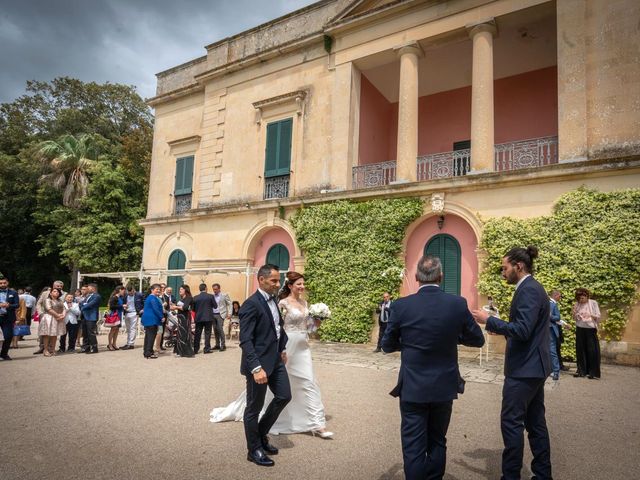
x,y
527,332
427,328
258,340
381,309
203,304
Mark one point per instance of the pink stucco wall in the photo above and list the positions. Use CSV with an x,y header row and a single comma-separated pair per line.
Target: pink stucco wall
x,y
268,240
526,106
463,233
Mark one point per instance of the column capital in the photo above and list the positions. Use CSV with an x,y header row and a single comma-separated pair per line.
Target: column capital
x,y
486,25
409,47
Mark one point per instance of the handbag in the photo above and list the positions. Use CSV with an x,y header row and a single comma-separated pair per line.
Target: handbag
x,y
21,330
111,319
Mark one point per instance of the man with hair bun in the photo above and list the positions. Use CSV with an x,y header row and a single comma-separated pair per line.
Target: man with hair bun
x,y
527,364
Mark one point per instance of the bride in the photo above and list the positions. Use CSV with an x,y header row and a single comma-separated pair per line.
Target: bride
x,y
305,412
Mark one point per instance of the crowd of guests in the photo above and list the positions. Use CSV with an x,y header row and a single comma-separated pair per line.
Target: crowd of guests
x,y
69,322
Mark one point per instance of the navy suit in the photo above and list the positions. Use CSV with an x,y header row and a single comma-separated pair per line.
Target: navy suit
x,y
8,319
90,309
426,328
203,305
527,364
262,348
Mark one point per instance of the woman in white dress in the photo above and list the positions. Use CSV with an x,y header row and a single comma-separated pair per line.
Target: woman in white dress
x,y
305,412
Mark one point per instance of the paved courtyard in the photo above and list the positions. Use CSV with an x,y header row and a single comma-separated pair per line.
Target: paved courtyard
x,y
116,415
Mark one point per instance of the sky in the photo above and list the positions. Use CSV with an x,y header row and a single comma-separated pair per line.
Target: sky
x,y
119,41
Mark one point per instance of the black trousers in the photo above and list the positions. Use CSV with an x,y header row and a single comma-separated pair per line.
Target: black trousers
x,y
72,335
7,331
424,438
89,338
383,328
29,314
278,383
588,351
149,339
207,326
559,345
218,330
523,408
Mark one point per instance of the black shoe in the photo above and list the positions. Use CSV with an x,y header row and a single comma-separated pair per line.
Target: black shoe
x,y
40,351
377,350
5,357
92,351
60,350
578,375
71,350
259,458
207,351
222,349
267,447
564,368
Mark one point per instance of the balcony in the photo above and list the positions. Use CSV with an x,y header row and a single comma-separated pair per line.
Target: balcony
x,y
537,152
183,204
276,187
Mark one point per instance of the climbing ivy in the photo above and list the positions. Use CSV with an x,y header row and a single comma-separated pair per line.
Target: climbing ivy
x,y
352,251
591,240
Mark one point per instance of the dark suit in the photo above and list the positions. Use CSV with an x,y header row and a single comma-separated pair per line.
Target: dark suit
x,y
90,309
383,320
427,328
203,304
527,364
262,348
8,318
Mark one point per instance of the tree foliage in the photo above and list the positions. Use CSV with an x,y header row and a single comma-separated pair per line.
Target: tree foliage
x,y
591,240
351,249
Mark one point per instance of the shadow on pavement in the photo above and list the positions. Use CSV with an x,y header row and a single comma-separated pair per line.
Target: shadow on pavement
x,y
492,462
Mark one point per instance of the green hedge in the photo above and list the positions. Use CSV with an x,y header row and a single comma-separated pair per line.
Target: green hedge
x,y
591,240
352,251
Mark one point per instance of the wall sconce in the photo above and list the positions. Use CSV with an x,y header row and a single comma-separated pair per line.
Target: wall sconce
x,y
440,222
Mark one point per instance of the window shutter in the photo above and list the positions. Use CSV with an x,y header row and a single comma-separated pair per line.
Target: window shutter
x,y
447,249
284,154
271,154
278,149
184,176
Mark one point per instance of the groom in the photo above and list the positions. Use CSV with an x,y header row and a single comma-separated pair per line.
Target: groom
x,y
263,340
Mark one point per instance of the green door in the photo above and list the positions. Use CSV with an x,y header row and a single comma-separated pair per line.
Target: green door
x,y
447,249
278,255
177,261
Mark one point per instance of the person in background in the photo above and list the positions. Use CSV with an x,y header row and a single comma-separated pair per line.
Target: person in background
x,y
203,305
166,302
9,302
383,318
52,322
554,333
235,319
220,314
79,298
72,313
133,307
29,303
184,343
21,318
586,314
90,308
116,305
152,317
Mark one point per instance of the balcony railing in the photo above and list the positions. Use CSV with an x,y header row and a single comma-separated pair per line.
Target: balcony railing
x,y
374,174
276,187
183,204
536,152
444,165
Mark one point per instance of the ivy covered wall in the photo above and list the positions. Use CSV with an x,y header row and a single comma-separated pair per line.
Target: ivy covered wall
x,y
353,257
591,240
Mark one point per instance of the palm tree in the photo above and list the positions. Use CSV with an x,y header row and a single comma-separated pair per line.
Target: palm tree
x,y
68,161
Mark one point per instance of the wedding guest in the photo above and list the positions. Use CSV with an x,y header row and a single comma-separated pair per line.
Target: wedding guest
x,y
426,328
554,333
586,314
527,365
72,312
52,321
29,303
21,319
90,309
81,294
134,304
184,342
203,304
9,302
383,318
44,294
235,319
220,314
116,306
166,297
152,317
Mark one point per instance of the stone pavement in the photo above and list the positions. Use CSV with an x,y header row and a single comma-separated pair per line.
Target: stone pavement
x,y
118,416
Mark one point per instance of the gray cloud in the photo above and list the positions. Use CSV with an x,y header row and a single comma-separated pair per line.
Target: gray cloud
x,y
120,41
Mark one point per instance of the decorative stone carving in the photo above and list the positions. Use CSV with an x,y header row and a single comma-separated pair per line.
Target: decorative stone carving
x,y
437,203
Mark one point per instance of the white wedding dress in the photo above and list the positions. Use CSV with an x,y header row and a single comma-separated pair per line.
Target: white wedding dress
x,y
305,412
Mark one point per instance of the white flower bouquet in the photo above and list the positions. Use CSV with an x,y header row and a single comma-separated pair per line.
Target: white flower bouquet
x,y
318,312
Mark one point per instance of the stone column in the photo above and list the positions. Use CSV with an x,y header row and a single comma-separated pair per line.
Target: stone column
x,y
482,127
407,149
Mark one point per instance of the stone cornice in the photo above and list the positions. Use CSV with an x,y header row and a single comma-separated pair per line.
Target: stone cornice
x,y
175,94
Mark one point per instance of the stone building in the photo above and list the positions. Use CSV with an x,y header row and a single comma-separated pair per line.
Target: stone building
x,y
482,108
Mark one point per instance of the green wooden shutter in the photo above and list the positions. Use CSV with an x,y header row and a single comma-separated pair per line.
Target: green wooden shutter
x,y
278,149
278,255
447,249
177,261
184,176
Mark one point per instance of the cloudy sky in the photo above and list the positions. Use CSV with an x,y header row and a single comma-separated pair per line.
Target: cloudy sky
x,y
120,41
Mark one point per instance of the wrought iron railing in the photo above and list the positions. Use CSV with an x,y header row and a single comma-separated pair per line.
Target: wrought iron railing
x,y
183,203
374,174
276,187
444,165
536,152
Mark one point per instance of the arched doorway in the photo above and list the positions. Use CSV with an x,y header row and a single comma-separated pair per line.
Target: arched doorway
x,y
177,261
278,255
447,249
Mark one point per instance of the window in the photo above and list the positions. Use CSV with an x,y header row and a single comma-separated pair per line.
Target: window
x,y
461,157
447,249
278,255
184,184
277,164
177,261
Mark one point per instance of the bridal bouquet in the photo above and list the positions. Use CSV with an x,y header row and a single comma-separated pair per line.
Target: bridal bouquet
x,y
319,312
